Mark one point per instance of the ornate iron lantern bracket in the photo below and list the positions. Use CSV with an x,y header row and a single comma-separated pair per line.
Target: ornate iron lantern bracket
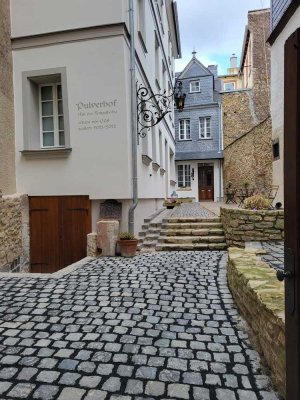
x,y
152,108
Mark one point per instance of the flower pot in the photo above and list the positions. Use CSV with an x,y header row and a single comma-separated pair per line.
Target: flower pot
x,y
128,247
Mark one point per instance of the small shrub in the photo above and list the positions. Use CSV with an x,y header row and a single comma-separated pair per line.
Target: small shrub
x,y
257,202
126,236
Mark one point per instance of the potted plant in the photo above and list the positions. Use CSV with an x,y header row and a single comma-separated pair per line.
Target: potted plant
x,y
128,244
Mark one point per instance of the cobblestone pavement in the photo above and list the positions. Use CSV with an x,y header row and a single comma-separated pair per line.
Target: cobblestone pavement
x,y
275,254
191,210
159,326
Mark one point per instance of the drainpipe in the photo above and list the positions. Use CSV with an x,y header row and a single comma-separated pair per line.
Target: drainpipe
x,y
220,147
133,122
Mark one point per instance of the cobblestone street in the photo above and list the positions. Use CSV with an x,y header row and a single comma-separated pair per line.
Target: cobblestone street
x,y
159,326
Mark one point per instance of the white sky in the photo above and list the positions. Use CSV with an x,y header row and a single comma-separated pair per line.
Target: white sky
x,y
214,28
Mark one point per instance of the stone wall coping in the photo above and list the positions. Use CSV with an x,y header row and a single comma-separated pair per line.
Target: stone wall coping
x,y
251,212
259,297
14,196
56,275
261,279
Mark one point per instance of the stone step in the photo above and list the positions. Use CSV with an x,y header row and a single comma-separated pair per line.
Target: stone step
x,y
191,239
193,225
154,230
195,247
155,225
190,219
192,232
149,243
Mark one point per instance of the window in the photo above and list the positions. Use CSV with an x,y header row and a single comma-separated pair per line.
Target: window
x,y
184,129
229,86
184,175
51,115
157,61
46,127
159,6
276,151
205,128
195,86
141,23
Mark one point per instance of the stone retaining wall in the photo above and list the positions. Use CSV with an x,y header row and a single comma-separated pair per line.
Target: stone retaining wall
x,y
14,232
242,226
259,297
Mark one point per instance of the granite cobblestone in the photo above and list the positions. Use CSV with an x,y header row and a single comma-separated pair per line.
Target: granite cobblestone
x,y
159,326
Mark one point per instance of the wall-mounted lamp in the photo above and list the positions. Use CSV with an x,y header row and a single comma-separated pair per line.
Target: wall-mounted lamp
x,y
152,108
193,174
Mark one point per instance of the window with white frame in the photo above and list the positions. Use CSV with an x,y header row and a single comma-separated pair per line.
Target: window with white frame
x,y
194,86
229,86
184,129
45,113
205,128
141,24
51,116
184,175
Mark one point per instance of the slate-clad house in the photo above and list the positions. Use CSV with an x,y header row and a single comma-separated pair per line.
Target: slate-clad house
x,y
198,128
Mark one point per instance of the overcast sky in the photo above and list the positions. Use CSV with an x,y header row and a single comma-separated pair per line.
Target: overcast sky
x,y
214,28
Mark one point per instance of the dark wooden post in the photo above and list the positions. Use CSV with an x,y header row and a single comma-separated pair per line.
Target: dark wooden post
x,y
292,210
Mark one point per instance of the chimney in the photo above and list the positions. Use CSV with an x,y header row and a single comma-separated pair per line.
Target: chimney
x,y
233,61
214,70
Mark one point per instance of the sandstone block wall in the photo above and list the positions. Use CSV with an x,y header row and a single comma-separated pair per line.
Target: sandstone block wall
x,y
242,226
7,141
14,229
247,127
249,158
260,299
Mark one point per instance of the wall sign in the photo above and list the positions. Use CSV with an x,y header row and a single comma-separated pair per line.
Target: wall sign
x,y
97,116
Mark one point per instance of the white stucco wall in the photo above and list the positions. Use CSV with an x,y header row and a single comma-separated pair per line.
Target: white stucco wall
x,y
277,97
194,190
33,17
99,162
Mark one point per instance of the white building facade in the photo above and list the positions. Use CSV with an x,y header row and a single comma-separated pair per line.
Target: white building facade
x,y
73,100
285,20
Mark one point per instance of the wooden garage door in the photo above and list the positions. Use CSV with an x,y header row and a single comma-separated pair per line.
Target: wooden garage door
x,y
58,231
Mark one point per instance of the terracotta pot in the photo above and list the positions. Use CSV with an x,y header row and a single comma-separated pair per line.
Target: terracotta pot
x,y
128,247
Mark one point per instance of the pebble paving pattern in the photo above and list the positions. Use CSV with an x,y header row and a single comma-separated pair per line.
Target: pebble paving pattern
x,y
159,326
275,254
194,210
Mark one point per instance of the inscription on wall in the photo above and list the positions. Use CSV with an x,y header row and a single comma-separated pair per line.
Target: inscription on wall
x,y
97,116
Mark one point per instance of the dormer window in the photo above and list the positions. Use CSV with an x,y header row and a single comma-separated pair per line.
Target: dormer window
x,y
229,86
194,86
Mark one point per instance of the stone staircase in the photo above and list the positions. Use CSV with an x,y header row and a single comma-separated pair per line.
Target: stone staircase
x,y
148,237
191,234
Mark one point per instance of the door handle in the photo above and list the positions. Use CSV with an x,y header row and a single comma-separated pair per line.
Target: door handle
x,y
281,275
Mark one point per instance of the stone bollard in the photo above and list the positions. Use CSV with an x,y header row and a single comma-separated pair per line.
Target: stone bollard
x,y
107,236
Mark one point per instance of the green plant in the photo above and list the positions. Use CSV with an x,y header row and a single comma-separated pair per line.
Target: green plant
x,y
257,202
246,184
126,236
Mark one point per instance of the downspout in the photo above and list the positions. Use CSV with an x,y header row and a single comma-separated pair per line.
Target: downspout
x,y
220,148
133,122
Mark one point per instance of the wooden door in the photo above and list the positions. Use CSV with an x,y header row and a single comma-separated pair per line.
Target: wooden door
x,y
58,231
206,182
292,212
44,237
76,224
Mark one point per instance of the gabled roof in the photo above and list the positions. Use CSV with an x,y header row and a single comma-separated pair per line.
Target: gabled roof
x,y
194,68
